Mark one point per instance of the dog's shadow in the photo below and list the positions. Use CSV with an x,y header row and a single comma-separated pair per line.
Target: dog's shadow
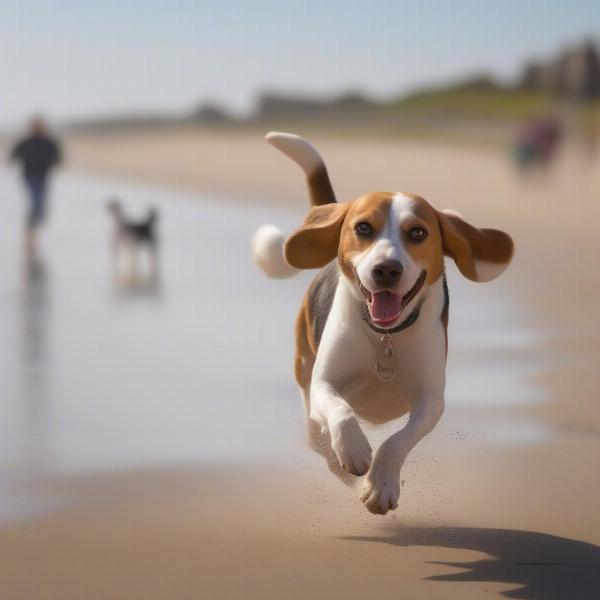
x,y
546,567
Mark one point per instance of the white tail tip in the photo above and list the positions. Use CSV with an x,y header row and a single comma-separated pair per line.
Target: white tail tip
x,y
297,148
267,252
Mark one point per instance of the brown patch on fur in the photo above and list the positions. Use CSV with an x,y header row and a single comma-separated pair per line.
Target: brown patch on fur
x,y
306,350
373,208
319,187
427,253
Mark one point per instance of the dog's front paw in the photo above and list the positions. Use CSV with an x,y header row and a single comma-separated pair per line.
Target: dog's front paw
x,y
351,446
381,490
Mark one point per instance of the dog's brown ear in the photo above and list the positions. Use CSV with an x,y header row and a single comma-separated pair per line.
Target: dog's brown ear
x,y
316,243
480,254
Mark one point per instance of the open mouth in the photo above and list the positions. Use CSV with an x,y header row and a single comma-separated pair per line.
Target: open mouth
x,y
385,307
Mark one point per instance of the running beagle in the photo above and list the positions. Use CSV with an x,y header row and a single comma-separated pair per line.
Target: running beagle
x,y
371,335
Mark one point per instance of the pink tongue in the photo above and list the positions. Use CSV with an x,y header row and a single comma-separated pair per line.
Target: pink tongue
x,y
385,306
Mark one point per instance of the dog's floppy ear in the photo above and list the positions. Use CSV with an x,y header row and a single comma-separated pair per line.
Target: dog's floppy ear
x,y
480,254
316,243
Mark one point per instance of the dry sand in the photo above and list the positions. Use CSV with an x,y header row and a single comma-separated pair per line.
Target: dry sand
x,y
478,521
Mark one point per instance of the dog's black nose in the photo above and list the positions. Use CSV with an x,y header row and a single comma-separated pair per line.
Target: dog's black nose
x,y
387,274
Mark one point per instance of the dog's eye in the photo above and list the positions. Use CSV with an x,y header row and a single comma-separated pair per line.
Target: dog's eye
x,y
417,234
363,229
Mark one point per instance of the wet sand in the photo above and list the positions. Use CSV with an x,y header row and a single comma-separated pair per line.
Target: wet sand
x,y
502,498
552,216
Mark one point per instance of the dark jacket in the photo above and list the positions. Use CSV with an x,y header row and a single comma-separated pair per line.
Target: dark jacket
x,y
38,154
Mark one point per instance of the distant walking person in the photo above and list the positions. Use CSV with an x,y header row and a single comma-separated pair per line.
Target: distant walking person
x,y
38,154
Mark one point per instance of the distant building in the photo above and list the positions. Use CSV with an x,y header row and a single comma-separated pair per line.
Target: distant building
x,y
574,74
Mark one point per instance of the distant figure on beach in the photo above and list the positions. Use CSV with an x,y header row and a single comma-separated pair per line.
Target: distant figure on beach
x,y
536,143
38,153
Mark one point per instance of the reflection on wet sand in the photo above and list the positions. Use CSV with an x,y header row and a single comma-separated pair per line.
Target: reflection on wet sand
x,y
138,282
35,379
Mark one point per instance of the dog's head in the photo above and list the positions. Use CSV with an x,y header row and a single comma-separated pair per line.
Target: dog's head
x,y
391,247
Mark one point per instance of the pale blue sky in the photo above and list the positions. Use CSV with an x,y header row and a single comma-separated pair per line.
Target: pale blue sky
x,y
76,58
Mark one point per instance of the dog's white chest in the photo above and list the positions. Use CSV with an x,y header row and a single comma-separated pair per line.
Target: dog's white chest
x,y
414,361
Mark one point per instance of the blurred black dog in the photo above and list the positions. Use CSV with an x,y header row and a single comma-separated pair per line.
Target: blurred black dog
x,y
141,232
130,236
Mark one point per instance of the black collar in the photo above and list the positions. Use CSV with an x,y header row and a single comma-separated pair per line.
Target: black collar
x,y
410,320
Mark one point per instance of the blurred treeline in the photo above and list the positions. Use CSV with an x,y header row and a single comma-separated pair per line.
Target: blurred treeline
x,y
477,108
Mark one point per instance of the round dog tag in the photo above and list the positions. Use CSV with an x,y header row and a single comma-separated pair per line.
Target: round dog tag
x,y
385,366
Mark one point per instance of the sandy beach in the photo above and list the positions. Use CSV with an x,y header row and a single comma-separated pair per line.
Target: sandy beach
x,y
502,500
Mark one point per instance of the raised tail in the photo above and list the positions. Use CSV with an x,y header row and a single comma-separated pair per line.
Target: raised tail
x,y
305,155
267,252
268,241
